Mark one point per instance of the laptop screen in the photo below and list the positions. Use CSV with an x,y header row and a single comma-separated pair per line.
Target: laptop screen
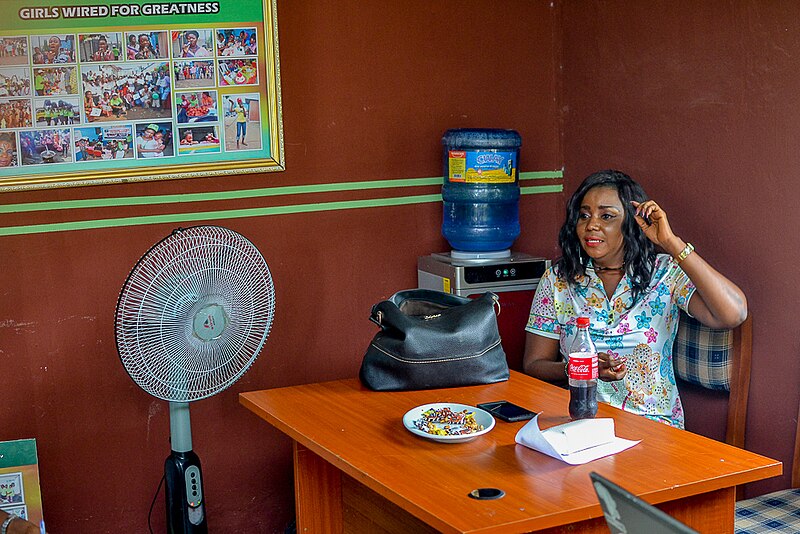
x,y
625,513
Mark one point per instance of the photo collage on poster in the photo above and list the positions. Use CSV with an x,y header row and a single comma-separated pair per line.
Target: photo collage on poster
x,y
12,494
84,97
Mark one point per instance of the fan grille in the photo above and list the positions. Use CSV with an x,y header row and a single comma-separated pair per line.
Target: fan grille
x,y
194,313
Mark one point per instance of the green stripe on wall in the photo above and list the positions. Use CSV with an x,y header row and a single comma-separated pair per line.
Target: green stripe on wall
x,y
179,218
247,193
539,189
216,215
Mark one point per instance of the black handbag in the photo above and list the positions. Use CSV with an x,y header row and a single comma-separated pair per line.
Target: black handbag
x,y
431,339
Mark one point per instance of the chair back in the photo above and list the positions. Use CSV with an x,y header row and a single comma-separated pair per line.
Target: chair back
x,y
717,360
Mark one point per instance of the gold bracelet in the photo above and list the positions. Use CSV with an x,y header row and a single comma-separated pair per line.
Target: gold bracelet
x,y
685,252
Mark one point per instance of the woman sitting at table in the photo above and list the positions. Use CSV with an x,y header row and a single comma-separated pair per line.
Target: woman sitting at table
x,y
611,272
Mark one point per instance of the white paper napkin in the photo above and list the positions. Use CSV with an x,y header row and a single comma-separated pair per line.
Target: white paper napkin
x,y
576,442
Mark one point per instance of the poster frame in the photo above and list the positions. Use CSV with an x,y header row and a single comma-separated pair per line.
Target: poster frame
x,y
71,172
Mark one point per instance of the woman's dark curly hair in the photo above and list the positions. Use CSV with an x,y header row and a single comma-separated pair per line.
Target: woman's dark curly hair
x,y
640,252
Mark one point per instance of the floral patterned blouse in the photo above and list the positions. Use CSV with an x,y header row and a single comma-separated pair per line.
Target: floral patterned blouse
x,y
642,332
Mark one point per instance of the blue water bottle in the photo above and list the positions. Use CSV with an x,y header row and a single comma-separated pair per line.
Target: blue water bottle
x,y
480,193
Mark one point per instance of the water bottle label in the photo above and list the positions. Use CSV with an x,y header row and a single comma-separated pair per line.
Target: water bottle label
x,y
482,166
582,366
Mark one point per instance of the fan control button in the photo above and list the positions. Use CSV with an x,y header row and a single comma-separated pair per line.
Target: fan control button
x,y
194,490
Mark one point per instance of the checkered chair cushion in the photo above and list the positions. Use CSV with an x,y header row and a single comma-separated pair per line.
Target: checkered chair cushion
x,y
702,355
774,512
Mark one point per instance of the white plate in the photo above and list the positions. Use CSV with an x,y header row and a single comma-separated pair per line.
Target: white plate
x,y
482,417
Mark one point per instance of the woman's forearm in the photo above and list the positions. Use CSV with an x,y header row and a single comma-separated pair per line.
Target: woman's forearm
x,y
722,303
542,360
546,370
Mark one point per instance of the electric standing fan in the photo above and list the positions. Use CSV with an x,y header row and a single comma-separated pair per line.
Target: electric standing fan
x,y
191,319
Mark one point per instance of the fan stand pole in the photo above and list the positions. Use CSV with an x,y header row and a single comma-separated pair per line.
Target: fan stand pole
x,y
180,427
184,488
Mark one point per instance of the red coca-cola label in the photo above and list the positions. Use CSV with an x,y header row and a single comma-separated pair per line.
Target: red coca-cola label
x,y
582,366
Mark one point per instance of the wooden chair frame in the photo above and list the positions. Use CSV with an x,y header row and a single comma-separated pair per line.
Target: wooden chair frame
x,y
740,383
796,458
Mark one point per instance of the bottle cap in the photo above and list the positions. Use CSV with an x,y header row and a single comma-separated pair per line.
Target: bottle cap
x,y
583,321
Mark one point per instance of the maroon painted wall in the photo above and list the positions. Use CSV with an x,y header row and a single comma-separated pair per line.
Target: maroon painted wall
x,y
699,101
368,90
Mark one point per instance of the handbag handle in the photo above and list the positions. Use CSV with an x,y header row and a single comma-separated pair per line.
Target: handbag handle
x,y
376,316
496,301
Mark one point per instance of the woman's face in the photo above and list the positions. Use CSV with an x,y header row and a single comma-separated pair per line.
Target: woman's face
x,y
6,153
144,41
191,39
102,44
599,227
54,43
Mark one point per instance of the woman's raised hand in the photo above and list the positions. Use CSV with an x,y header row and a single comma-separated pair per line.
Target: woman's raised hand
x,y
653,222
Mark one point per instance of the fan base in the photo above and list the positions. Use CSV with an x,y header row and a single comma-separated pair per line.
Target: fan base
x,y
184,494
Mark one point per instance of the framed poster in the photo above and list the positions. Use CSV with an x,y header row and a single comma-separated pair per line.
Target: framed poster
x,y
19,480
101,91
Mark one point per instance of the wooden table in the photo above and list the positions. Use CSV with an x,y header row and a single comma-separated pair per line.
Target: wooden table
x,y
358,470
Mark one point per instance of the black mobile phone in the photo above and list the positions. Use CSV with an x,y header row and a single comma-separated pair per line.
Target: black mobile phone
x,y
507,411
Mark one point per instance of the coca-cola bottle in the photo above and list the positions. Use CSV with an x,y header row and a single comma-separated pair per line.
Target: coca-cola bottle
x,y
582,373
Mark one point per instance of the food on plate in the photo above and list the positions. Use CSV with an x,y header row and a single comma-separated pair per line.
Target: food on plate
x,y
446,422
